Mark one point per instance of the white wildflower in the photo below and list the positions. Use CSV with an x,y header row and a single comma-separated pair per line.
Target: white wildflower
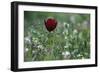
x,y
85,22
65,37
33,51
34,31
26,49
27,40
75,51
35,40
66,54
66,46
83,57
79,55
75,31
40,46
65,23
63,32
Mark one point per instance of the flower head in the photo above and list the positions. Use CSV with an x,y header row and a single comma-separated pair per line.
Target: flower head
x,y
66,54
50,24
27,40
26,49
75,31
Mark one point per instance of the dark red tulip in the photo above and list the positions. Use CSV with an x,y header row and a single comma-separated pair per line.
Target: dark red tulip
x,y
50,24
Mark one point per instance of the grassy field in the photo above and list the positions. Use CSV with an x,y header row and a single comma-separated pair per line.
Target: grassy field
x,y
69,40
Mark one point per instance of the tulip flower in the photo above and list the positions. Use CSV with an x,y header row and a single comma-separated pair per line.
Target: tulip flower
x,y
50,24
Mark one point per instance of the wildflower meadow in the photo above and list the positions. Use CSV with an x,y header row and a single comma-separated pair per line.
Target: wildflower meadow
x,y
56,36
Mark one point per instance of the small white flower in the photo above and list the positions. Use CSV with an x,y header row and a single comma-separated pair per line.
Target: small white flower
x,y
79,55
40,46
26,49
35,40
65,37
85,22
34,31
66,46
83,58
75,31
33,51
65,23
27,39
66,54
75,51
63,32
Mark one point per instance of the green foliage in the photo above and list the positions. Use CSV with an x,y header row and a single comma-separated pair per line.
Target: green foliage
x,y
70,39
